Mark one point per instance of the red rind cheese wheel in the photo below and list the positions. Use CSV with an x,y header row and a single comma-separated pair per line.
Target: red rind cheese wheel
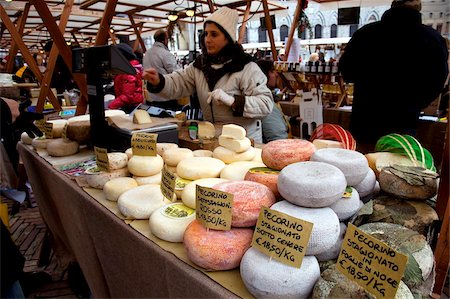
x,y
216,249
265,176
248,198
280,153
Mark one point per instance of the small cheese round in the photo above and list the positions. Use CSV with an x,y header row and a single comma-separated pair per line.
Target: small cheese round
x,y
311,184
265,176
145,165
40,142
216,249
97,179
145,180
173,156
325,231
347,205
195,168
268,278
202,153
278,154
352,163
25,138
58,126
114,112
379,160
229,156
248,198
129,153
61,148
237,170
188,196
117,160
333,253
169,222
115,187
366,186
162,146
141,201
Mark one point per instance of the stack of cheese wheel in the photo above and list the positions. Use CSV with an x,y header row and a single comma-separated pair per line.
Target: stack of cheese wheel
x,y
117,168
237,170
348,205
162,146
141,201
280,153
333,253
173,156
234,146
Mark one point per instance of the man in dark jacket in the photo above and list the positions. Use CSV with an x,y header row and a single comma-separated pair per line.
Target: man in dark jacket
x,y
398,66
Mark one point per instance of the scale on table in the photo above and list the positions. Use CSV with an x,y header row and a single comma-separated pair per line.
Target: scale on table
x,y
99,63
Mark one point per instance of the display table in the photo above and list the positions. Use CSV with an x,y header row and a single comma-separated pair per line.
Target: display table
x,y
116,259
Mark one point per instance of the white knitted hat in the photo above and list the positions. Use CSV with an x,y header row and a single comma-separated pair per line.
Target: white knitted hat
x,y
227,18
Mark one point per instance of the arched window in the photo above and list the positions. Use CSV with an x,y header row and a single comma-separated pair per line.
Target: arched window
x,y
262,35
318,31
244,39
284,32
372,19
353,28
333,31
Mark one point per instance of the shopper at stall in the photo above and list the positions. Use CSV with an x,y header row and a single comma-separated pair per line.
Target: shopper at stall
x,y
160,58
230,87
405,73
274,125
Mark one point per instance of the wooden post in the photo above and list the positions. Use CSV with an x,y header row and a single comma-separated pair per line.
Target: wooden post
x,y
298,11
269,29
13,50
137,31
244,22
103,32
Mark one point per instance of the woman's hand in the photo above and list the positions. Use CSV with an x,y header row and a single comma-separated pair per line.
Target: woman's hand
x,y
220,97
152,76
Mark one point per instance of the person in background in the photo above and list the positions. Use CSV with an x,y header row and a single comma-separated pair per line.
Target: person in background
x,y
128,88
231,88
392,88
281,55
274,125
160,58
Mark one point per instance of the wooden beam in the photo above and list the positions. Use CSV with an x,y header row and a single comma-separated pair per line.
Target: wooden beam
x,y
298,11
103,32
25,53
211,6
269,29
137,31
13,49
244,22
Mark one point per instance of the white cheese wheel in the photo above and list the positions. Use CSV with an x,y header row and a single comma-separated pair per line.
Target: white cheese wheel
x,y
228,156
202,153
58,126
145,180
115,187
25,138
325,222
237,170
141,201
97,179
117,160
169,222
311,184
145,165
114,112
347,206
188,196
248,198
173,156
61,148
366,186
268,278
235,145
258,152
216,249
195,168
352,163
233,131
129,153
162,146
333,253
40,142
323,143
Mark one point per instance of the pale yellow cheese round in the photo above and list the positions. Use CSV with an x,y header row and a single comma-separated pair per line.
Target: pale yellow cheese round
x,y
117,160
25,138
199,167
188,195
129,153
229,156
61,148
202,153
173,156
58,126
145,180
145,165
97,179
115,187
237,170
114,112
40,142
258,152
162,146
141,201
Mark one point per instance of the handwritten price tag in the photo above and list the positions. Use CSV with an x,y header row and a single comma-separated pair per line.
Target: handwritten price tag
x,y
144,144
101,156
214,208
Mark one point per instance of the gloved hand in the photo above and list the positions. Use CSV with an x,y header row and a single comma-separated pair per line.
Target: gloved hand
x,y
24,123
220,97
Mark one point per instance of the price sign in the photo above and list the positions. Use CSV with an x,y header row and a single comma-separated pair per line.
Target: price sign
x,y
64,131
167,183
371,263
282,237
144,144
40,124
214,208
48,130
101,156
